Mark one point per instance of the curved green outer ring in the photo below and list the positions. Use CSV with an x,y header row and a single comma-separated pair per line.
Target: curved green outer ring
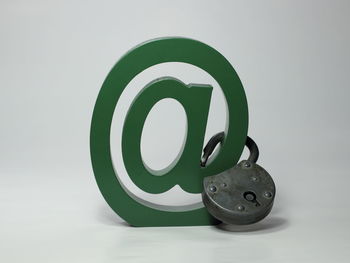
x,y
135,61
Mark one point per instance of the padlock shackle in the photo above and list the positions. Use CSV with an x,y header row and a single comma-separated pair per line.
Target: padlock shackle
x,y
218,138
253,150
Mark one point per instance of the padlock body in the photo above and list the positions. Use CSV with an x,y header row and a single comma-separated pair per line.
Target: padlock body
x,y
241,195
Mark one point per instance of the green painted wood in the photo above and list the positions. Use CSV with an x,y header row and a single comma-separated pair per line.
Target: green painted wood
x,y
185,170
195,99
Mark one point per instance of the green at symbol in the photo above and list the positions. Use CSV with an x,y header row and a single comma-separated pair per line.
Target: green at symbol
x,y
195,98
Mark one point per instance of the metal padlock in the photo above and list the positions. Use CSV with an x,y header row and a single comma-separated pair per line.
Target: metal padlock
x,y
241,195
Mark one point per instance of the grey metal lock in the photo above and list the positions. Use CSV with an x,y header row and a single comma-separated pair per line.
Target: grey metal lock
x,y
241,195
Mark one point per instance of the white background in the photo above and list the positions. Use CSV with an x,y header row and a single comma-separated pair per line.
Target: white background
x,y
293,59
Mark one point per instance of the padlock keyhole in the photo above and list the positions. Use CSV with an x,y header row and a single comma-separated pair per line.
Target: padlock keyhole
x,y
251,197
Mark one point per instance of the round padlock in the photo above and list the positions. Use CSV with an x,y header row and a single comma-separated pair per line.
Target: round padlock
x,y
241,195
